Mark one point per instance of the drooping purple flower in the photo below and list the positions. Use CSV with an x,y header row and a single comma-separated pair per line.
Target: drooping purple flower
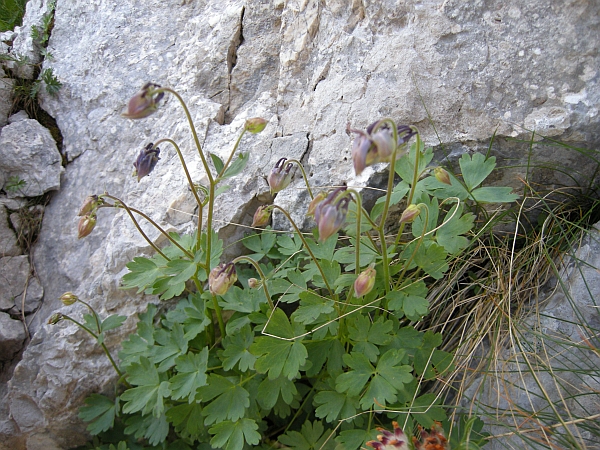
x,y
221,278
376,144
146,161
280,176
330,214
144,103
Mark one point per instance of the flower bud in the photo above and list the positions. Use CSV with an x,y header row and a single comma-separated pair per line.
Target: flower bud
x,y
89,205
364,282
280,176
144,103
330,214
146,161
442,176
86,225
68,298
262,216
221,278
390,441
410,214
55,318
253,283
315,201
255,125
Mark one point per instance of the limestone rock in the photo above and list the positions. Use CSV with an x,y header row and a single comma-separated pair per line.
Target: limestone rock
x,y
12,337
24,45
28,151
6,97
15,279
8,240
309,67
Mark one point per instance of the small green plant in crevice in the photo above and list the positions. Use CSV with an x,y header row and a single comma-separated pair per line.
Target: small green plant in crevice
x,y
309,341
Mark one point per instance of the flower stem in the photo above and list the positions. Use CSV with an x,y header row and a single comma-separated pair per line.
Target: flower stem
x,y
219,315
237,143
262,276
193,130
303,176
312,255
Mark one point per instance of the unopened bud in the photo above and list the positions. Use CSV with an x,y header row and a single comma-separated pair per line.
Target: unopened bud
x,y
55,318
253,283
255,125
330,214
68,298
89,205
410,214
262,216
86,225
315,201
146,161
221,278
364,282
442,176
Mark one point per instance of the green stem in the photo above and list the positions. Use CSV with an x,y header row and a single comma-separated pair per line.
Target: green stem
x,y
189,179
413,186
237,143
303,176
93,314
262,276
193,130
312,255
359,209
219,315
409,260
95,336
153,223
135,223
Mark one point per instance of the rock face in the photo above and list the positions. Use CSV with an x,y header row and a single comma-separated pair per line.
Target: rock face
x,y
28,152
474,70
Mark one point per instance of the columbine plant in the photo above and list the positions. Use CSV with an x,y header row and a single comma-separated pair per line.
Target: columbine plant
x,y
316,338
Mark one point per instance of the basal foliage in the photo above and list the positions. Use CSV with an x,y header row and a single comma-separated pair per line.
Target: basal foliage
x,y
308,340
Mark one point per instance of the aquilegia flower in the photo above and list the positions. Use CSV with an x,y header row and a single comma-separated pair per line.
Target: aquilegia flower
x,y
221,278
144,103
280,176
432,440
86,225
146,161
377,144
364,282
390,441
330,214
262,216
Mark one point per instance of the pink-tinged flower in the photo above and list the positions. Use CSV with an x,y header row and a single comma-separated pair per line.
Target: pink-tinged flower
x,y
280,176
364,282
146,161
262,216
330,214
221,278
410,214
442,175
86,225
144,103
255,125
68,298
390,441
432,440
376,145
314,203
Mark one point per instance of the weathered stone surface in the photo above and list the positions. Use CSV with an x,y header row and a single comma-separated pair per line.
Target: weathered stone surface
x,y
309,67
24,45
8,240
15,278
12,336
6,98
28,151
